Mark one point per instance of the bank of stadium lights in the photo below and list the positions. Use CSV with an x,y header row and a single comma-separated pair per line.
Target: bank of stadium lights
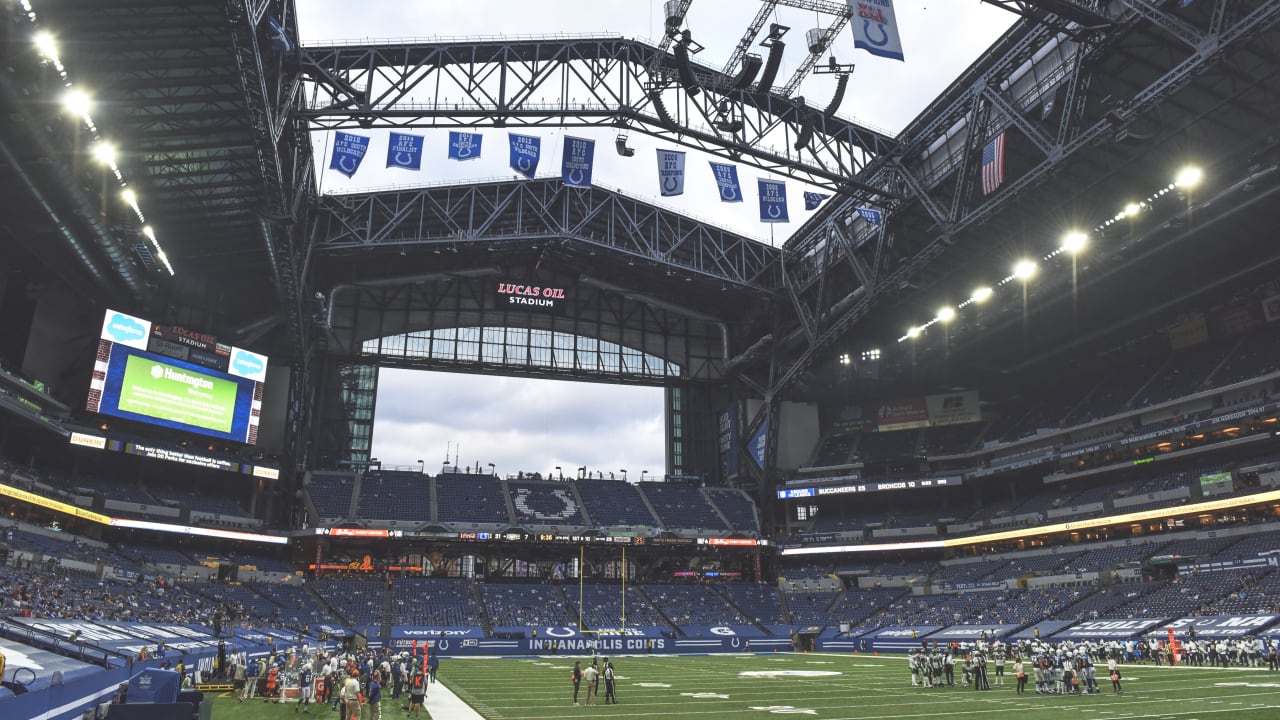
x,y
79,104
844,359
1073,243
871,355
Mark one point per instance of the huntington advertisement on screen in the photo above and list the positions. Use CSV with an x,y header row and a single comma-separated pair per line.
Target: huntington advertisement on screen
x,y
139,376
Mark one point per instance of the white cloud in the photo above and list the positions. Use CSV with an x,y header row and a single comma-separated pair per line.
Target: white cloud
x,y
518,424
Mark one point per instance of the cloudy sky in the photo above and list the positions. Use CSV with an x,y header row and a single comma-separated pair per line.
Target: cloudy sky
x,y
538,424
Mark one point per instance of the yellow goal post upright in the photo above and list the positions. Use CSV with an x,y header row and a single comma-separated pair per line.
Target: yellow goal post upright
x,y
595,633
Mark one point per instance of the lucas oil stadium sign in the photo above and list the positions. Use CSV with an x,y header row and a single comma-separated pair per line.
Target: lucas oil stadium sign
x,y
530,296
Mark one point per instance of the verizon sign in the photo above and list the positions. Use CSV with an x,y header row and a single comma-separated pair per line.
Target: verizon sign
x,y
530,296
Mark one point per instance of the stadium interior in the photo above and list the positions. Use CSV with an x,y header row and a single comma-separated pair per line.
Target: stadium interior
x,y
1048,406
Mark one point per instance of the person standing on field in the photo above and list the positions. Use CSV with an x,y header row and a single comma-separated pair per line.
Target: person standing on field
x,y
591,676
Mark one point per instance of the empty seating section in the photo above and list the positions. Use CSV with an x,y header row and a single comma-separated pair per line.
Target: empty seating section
x,y
1259,598
245,603
682,506
1186,372
757,601
200,502
331,493
395,495
693,605
1250,546
737,508
476,499
833,450
1191,549
602,607
261,563
434,601
1107,558
970,571
297,604
359,602
950,439
1116,387
110,489
1102,602
806,571
856,605
811,608
545,503
614,502
510,604
1193,594
1258,354
892,445
1038,564
1003,607
827,523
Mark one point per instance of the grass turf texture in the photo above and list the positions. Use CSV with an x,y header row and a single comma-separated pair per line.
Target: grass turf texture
x,y
732,687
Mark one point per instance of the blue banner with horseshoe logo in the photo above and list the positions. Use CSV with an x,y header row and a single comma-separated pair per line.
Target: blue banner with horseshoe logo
x,y
875,29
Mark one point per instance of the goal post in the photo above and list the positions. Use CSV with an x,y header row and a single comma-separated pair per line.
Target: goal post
x,y
622,615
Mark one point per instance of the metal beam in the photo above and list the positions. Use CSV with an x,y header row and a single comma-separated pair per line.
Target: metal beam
x,y
600,82
545,209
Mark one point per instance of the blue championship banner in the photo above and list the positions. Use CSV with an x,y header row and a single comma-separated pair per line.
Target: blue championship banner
x,y
579,156
727,182
405,151
812,200
525,152
773,201
464,146
875,29
670,172
348,151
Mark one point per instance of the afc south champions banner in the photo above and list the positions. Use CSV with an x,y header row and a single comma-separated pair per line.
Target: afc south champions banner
x,y
348,151
670,172
525,151
727,182
579,156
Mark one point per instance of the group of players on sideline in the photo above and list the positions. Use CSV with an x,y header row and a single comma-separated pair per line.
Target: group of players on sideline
x,y
344,680
1070,668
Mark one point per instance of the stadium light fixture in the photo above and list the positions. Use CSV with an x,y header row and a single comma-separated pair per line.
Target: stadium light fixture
x,y
947,314
150,233
77,102
1025,269
914,331
105,153
844,358
1074,242
46,44
1132,209
1188,177
129,197
981,294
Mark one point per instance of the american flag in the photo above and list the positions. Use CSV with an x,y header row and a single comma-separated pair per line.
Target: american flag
x,y
993,164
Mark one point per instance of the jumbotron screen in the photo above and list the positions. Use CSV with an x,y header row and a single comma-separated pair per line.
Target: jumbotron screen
x,y
170,376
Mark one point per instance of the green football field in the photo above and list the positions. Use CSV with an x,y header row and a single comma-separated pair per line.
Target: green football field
x,y
835,687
